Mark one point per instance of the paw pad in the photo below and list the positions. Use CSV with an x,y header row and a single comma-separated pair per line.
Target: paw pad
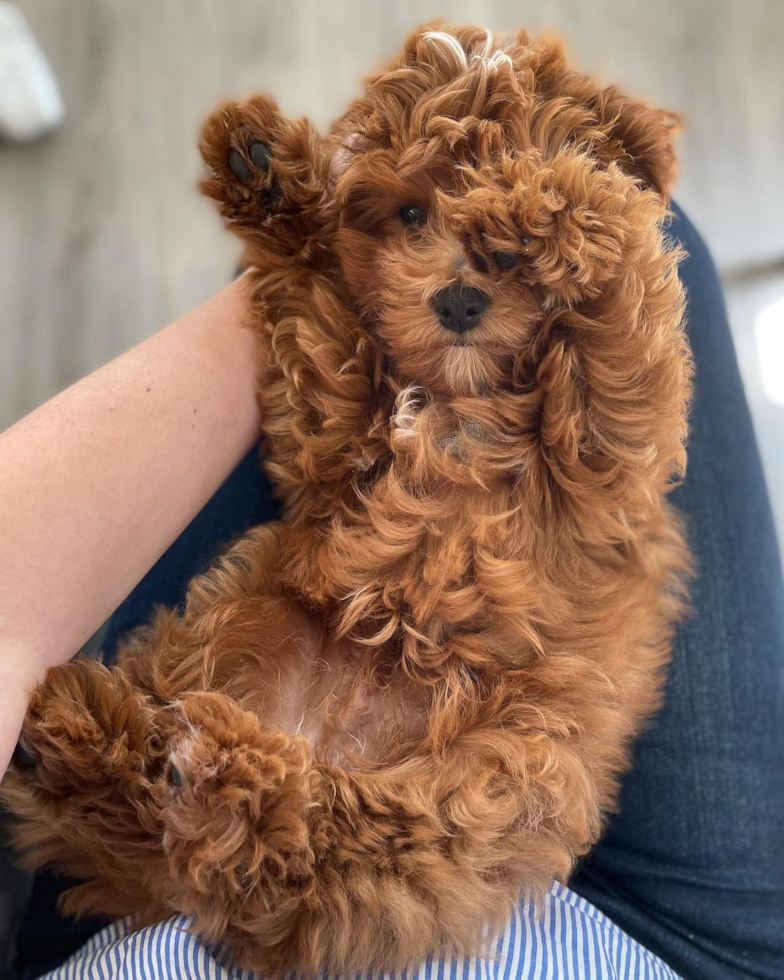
x,y
238,166
260,157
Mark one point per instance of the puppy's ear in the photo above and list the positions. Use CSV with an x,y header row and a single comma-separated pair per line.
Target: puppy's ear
x,y
639,139
636,137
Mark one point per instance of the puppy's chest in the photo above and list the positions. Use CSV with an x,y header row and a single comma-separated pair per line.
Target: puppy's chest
x,y
419,519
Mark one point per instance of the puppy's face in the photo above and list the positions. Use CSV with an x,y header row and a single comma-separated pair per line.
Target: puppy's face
x,y
470,213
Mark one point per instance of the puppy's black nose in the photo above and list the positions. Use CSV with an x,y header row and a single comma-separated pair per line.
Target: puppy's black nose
x,y
459,307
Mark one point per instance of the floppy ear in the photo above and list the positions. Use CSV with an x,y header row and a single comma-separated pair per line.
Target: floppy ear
x,y
633,135
639,139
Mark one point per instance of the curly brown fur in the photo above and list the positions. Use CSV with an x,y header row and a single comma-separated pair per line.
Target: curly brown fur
x,y
379,720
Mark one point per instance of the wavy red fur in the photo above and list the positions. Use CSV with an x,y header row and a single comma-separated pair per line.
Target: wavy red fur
x,y
380,719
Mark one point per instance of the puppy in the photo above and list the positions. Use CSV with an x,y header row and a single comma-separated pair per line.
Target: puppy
x,y
378,721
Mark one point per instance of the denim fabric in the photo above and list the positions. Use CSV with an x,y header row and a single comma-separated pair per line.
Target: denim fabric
x,y
693,864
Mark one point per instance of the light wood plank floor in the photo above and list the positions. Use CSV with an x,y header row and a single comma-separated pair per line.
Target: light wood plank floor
x,y
103,237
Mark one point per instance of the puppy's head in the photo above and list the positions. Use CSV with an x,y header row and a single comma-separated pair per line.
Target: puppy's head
x,y
484,188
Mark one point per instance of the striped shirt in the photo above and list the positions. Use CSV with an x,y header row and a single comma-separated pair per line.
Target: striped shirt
x,y
571,940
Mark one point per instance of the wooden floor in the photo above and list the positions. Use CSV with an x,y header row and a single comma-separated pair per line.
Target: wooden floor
x,y
103,237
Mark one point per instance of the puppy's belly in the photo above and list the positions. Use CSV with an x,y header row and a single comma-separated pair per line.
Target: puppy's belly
x,y
352,715
355,709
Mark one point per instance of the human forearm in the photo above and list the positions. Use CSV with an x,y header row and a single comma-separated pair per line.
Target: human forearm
x,y
98,482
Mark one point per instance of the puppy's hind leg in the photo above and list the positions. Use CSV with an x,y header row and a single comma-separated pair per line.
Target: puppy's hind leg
x,y
270,177
237,827
298,864
84,783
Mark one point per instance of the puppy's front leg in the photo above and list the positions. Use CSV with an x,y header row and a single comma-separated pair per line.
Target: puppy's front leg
x,y
271,178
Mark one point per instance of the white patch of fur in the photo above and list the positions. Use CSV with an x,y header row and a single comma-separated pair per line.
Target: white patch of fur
x,y
490,58
496,59
407,405
451,42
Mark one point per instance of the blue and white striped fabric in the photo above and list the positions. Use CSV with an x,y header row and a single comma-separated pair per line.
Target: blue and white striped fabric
x,y
571,940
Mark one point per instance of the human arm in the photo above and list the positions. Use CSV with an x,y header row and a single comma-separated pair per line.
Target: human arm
x,y
97,482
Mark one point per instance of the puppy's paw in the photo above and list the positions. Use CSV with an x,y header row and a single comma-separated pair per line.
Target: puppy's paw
x,y
237,147
237,799
269,175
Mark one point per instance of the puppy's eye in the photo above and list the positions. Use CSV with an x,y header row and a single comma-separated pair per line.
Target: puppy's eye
x,y
506,260
412,214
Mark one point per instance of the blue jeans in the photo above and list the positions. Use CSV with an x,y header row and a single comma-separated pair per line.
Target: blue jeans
x,y
692,866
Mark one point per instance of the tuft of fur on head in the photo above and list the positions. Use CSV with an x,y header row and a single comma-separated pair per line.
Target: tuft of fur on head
x,y
490,57
531,183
